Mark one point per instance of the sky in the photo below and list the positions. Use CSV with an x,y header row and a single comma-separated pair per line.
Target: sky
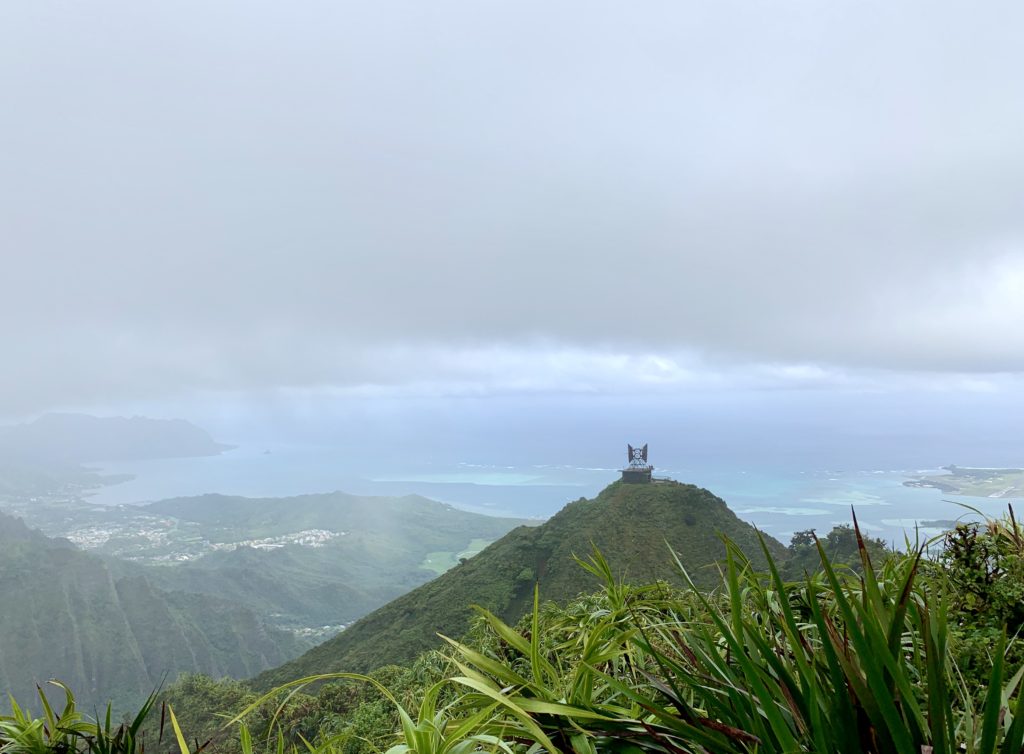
x,y
257,201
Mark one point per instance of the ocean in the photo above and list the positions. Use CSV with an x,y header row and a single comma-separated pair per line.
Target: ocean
x,y
779,501
784,461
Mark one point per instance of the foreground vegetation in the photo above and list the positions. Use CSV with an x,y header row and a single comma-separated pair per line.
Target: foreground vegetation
x,y
914,653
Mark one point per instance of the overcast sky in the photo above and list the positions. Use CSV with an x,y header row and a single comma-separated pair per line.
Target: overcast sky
x,y
232,196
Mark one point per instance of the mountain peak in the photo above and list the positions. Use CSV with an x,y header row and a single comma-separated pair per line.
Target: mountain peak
x,y
635,526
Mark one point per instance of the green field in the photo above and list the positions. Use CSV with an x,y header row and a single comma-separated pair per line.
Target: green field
x,y
441,561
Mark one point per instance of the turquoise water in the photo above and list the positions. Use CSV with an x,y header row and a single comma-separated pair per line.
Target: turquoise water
x,y
783,503
779,501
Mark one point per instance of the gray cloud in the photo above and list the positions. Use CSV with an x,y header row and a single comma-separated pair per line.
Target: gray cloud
x,y
234,195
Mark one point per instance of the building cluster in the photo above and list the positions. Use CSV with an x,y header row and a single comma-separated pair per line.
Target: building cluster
x,y
304,538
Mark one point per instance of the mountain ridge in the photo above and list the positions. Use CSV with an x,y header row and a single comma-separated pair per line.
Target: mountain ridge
x,y
68,615
113,627
377,551
632,525
83,438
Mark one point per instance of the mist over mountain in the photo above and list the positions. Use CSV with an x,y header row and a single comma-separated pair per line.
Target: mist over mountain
x,y
225,586
362,551
79,438
115,637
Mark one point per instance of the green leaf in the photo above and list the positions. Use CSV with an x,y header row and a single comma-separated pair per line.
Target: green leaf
x,y
182,745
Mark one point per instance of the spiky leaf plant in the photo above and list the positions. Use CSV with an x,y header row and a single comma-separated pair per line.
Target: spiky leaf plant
x,y
841,662
70,731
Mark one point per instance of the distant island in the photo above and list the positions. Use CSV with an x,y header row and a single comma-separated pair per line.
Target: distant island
x,y
45,460
974,482
80,438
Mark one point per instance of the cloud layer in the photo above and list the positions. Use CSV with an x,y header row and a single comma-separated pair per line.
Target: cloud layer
x,y
247,195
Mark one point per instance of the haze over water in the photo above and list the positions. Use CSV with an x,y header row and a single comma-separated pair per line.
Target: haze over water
x,y
783,461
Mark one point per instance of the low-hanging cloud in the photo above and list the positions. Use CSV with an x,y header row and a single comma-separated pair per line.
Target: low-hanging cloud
x,y
239,195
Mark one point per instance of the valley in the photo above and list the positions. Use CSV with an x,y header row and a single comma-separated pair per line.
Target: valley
x,y
364,549
216,584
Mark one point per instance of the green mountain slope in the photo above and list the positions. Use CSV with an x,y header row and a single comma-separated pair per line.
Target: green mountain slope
x,y
374,549
66,615
630,524
392,523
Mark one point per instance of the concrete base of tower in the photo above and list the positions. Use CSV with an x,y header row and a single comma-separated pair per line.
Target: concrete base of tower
x,y
637,476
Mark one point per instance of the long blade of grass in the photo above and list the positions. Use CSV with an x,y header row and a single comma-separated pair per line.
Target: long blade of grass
x,y
520,714
182,744
1013,742
993,700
